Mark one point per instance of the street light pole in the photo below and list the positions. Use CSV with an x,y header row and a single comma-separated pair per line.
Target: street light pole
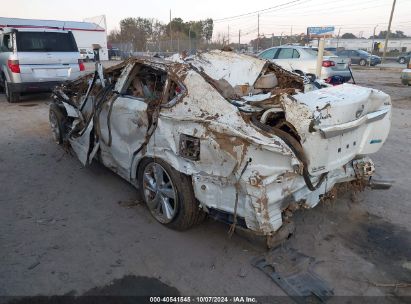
x,y
388,32
373,40
372,44
338,38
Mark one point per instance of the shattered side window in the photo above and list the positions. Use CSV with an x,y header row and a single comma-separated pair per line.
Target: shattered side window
x,y
146,83
174,92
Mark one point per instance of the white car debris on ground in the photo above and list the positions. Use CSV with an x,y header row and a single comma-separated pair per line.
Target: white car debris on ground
x,y
222,133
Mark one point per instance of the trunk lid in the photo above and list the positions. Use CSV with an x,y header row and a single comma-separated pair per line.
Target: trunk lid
x,y
340,62
338,123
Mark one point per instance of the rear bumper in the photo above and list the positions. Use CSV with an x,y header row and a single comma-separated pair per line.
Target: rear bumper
x,y
24,87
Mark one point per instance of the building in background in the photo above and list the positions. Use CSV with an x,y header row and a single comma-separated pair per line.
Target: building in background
x,y
400,45
92,31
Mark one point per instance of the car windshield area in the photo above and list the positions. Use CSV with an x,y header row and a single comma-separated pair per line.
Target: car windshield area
x,y
46,42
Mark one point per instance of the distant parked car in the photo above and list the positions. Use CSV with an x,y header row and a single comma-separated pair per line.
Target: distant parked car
x,y
304,59
404,57
114,54
36,60
331,49
86,55
359,57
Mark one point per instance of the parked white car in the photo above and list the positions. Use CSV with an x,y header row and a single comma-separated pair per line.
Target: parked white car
x,y
221,133
304,59
86,55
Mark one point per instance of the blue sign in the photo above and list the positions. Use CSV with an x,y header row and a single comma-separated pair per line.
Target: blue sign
x,y
320,30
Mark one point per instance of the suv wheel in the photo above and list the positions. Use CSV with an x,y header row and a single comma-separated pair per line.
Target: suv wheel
x,y
363,62
401,60
11,96
169,194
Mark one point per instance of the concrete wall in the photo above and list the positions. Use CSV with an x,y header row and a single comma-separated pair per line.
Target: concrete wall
x,y
366,44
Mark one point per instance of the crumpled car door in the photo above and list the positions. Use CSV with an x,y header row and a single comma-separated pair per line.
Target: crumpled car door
x,y
123,125
81,143
123,131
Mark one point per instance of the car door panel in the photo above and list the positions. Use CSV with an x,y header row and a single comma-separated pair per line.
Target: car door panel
x,y
123,128
355,58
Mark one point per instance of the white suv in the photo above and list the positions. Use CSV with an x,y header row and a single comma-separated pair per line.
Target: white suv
x,y
34,60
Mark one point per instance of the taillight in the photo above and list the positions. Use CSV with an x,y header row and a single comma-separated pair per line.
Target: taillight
x,y
81,65
13,66
328,63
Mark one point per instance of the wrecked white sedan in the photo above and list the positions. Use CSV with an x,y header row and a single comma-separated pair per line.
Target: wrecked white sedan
x,y
221,133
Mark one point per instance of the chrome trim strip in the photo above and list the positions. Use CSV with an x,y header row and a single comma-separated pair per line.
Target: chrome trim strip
x,y
336,130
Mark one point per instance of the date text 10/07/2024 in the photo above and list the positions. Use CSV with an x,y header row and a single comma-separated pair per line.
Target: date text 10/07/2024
x,y
239,299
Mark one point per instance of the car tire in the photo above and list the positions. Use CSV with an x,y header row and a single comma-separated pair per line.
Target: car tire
x,y
168,194
11,96
56,121
401,60
362,62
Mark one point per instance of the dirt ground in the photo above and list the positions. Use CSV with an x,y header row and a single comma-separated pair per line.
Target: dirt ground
x,y
65,229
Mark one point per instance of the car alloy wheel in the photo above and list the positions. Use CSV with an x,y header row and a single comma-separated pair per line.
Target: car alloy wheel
x,y
160,193
402,60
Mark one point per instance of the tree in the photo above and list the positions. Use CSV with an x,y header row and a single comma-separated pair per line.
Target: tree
x,y
136,31
348,36
397,34
143,33
208,26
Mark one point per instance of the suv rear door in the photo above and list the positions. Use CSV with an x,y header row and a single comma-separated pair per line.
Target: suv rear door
x,y
47,56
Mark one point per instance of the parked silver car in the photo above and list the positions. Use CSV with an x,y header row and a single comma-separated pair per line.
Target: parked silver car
x,y
36,60
304,59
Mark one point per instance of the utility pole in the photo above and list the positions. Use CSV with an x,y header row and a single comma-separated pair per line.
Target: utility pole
x,y
291,32
388,31
272,39
228,35
171,35
258,32
239,40
189,38
281,37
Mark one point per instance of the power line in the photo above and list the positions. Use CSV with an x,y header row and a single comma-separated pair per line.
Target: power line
x,y
256,12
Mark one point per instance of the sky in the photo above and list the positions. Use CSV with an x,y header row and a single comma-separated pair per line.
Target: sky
x,y
278,16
